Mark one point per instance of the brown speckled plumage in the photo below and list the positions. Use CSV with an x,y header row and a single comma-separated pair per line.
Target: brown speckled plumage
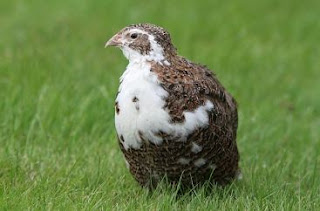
x,y
189,86
141,44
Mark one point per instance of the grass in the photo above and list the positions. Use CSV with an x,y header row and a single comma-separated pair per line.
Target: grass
x,y
57,87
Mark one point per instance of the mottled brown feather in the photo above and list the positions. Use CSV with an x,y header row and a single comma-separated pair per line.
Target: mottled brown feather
x,y
189,86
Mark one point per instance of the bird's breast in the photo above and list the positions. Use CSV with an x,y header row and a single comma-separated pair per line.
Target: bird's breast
x,y
140,115
139,106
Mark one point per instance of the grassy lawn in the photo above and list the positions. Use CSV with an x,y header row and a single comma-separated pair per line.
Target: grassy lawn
x,y
58,146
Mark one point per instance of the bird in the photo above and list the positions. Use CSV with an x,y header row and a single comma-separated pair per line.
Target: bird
x,y
173,118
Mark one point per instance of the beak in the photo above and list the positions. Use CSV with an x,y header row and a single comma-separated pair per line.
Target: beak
x,y
114,41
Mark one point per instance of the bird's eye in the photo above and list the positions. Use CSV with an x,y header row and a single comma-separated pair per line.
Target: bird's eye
x,y
134,35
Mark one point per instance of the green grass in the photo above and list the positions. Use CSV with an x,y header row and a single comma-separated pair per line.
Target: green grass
x,y
58,147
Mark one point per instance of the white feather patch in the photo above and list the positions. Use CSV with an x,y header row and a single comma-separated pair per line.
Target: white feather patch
x,y
184,161
196,148
200,162
138,82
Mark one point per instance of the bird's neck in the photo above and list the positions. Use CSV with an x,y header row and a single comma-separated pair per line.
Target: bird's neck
x,y
135,57
157,54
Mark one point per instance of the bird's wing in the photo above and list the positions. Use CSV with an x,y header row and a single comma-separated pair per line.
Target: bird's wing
x,y
191,85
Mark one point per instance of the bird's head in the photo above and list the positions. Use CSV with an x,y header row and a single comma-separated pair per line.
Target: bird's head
x,y
144,42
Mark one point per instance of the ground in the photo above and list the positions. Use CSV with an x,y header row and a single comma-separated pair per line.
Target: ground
x,y
58,84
